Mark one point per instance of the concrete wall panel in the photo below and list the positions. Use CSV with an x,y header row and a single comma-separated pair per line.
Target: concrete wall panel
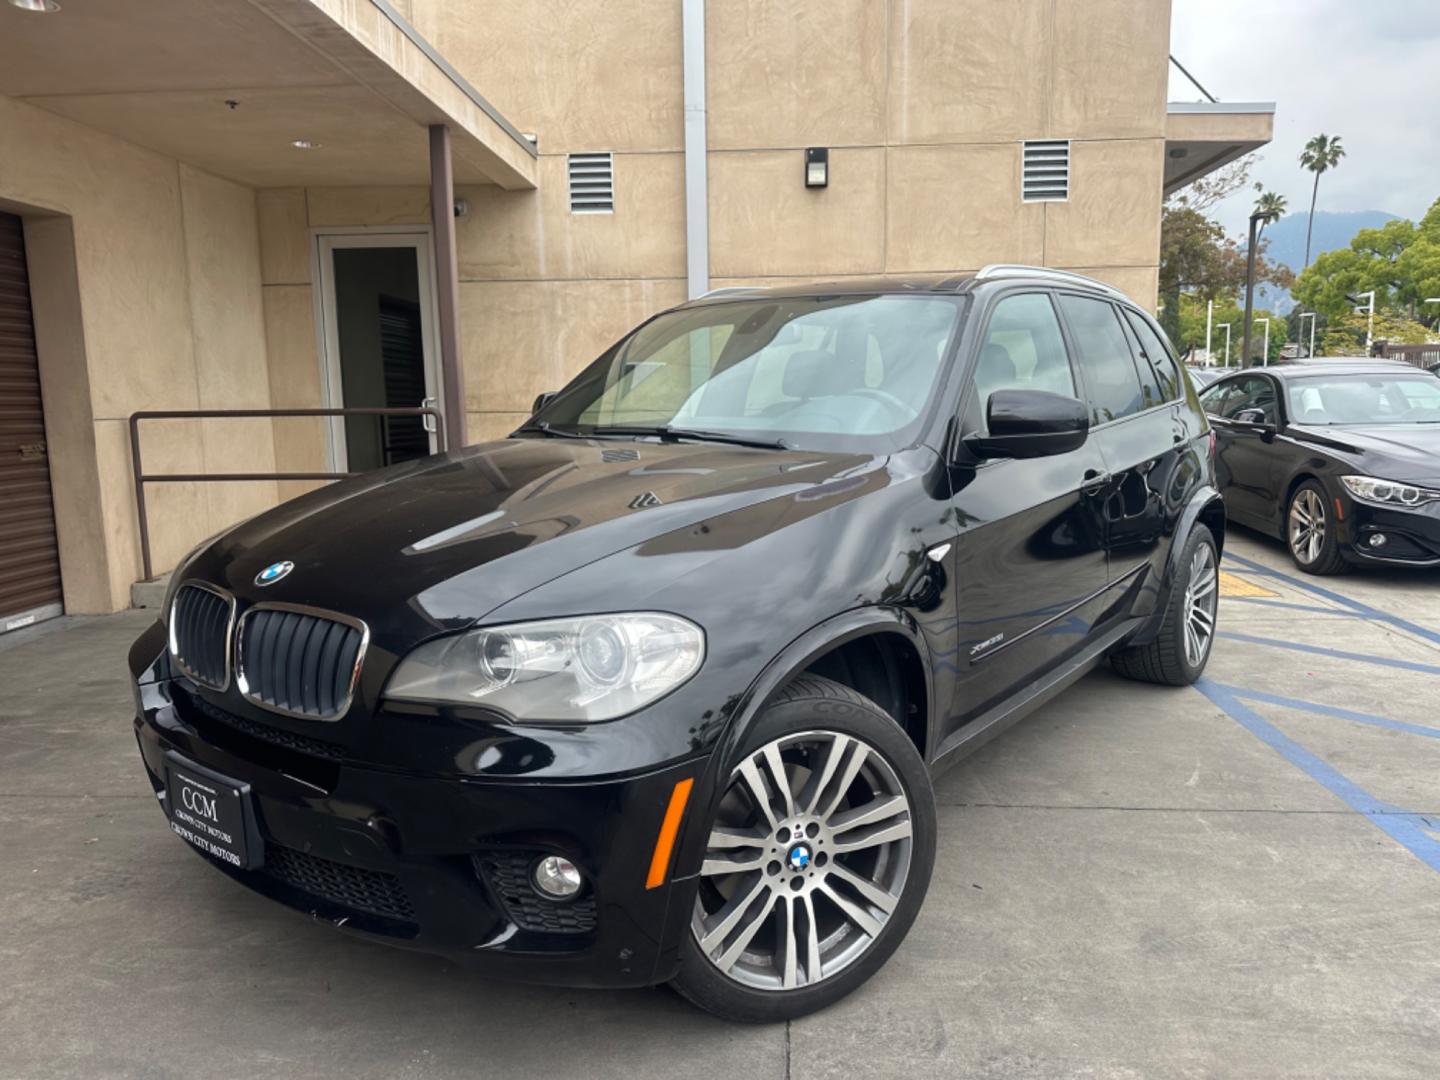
x,y
1113,215
968,72
1111,69
582,74
764,221
958,207
805,73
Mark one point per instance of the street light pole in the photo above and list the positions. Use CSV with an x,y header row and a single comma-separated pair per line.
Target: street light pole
x,y
1226,327
1209,323
1301,336
1265,349
1370,326
1256,219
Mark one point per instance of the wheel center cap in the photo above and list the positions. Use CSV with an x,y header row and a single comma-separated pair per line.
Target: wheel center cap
x,y
798,857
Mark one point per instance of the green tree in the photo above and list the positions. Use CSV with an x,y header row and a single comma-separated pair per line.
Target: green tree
x,y
1399,261
1198,259
1321,154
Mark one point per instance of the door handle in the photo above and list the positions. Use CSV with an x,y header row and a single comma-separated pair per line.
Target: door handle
x,y
1094,482
425,419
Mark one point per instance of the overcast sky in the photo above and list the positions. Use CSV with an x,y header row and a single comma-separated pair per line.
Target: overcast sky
x,y
1366,70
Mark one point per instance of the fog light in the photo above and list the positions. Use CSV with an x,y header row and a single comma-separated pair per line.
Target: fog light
x,y
1378,540
557,878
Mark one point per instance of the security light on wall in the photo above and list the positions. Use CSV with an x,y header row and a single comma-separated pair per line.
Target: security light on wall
x,y
817,167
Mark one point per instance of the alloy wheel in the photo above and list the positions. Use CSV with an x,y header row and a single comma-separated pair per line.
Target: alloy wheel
x,y
1307,526
1202,594
805,863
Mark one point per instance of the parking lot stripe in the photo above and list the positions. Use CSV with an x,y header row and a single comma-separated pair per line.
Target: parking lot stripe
x,y
1354,605
1315,609
1320,650
1402,827
1332,710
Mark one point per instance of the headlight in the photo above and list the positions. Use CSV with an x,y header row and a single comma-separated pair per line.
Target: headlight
x,y
595,667
1387,492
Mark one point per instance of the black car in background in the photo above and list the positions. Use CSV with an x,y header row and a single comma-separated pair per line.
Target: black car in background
x,y
654,689
1339,458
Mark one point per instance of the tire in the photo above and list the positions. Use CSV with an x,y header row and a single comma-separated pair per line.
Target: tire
x,y
1178,654
769,891
1308,512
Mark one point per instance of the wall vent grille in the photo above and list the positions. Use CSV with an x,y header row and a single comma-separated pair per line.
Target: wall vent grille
x,y
592,183
1046,175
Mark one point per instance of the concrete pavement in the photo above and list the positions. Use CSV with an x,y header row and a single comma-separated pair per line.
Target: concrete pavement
x,y
1241,880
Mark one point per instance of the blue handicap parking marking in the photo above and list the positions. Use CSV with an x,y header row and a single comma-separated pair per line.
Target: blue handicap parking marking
x,y
1334,654
1410,830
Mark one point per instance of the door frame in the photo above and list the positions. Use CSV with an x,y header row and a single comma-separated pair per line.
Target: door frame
x,y
324,242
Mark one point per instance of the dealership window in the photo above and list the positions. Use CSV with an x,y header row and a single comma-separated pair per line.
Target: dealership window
x,y
1111,381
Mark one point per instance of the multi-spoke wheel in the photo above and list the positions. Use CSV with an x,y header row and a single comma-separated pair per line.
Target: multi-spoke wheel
x,y
817,857
1179,651
1309,533
1202,595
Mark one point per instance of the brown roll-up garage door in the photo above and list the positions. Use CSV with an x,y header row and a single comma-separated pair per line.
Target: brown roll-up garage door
x,y
29,555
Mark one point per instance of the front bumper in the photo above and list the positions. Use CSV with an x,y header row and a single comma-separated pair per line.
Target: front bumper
x,y
441,863
1412,536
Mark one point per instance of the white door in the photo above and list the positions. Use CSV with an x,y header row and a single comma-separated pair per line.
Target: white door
x,y
378,346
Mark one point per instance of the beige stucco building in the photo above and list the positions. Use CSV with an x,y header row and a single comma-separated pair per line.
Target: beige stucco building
x,y
226,204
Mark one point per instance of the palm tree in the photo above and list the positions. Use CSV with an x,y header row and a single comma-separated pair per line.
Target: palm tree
x,y
1271,205
1320,153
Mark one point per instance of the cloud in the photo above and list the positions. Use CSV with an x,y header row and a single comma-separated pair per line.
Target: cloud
x,y
1365,72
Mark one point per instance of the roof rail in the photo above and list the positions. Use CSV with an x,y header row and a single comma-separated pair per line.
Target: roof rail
x,y
1004,270
728,290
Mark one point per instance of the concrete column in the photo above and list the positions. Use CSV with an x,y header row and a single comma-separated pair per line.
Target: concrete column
x,y
447,283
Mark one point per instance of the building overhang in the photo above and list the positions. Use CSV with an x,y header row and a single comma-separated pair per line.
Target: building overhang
x,y
230,86
1201,137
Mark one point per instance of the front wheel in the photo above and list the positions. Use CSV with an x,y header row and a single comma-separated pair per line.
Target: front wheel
x,y
1309,533
818,858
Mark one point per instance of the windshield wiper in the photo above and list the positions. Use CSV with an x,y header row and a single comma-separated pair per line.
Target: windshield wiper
x,y
671,433
544,428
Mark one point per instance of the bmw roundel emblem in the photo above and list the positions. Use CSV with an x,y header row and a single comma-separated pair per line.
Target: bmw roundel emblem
x,y
798,857
274,572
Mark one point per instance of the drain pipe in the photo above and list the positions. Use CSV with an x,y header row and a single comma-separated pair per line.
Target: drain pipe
x,y
697,205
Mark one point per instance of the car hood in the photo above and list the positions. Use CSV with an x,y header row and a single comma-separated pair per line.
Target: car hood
x,y
437,544
1409,452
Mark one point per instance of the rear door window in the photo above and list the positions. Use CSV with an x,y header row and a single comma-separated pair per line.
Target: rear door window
x,y
1112,383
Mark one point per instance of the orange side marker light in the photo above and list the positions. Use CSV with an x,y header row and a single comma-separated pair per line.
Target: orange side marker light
x,y
665,842
1339,510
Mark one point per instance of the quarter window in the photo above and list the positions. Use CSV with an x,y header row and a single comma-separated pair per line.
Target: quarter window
x,y
1023,350
1111,381
1154,350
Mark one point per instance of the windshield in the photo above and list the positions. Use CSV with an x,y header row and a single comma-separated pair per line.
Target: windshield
x,y
1366,399
835,372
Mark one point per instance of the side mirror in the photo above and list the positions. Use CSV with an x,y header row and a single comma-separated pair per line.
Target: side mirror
x,y
1256,418
542,400
1031,424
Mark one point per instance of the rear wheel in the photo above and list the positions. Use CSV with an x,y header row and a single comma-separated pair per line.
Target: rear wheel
x,y
818,858
1309,532
1179,652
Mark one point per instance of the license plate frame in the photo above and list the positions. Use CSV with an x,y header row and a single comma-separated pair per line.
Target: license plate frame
x,y
213,813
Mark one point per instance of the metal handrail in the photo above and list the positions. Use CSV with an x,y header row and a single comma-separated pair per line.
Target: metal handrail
x,y
142,477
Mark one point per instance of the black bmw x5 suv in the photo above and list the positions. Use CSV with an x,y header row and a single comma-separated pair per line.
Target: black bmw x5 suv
x,y
654,689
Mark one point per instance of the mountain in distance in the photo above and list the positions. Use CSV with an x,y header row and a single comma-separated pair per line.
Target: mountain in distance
x,y
1285,243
